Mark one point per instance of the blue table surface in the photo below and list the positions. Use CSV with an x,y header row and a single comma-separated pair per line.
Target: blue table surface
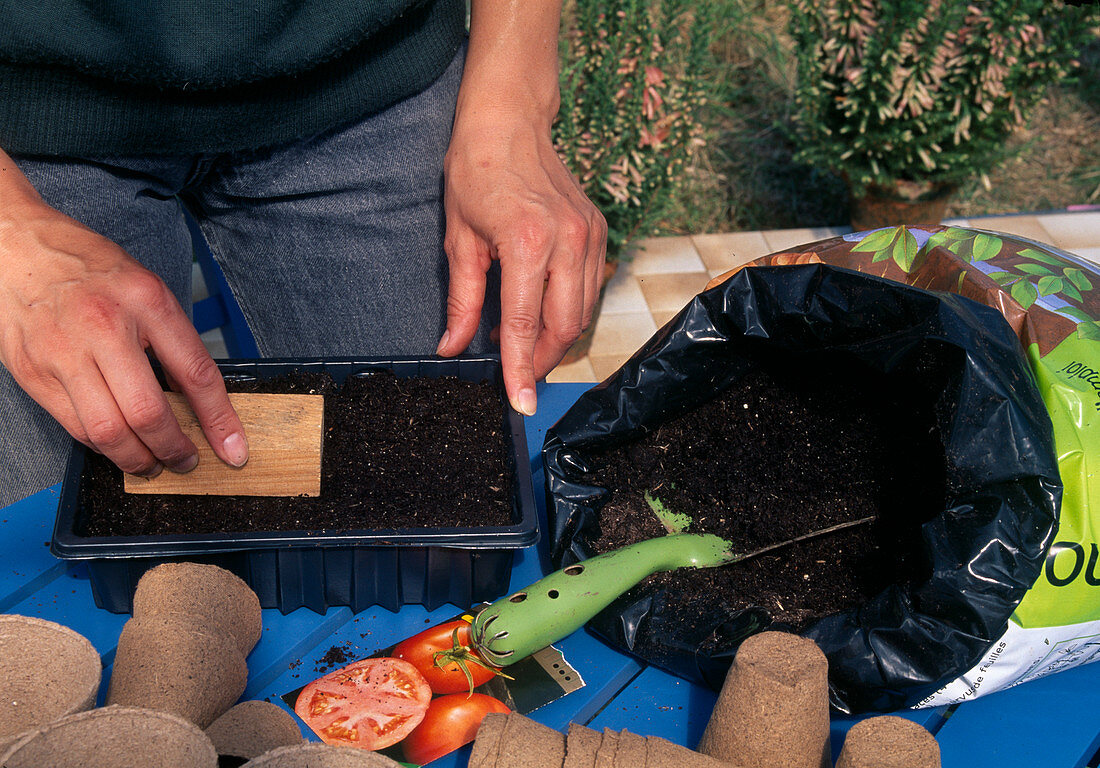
x,y
1052,722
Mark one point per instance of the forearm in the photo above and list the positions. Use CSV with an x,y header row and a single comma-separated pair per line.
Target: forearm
x,y
512,61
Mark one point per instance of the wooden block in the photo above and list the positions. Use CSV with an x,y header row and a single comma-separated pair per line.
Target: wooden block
x,y
284,450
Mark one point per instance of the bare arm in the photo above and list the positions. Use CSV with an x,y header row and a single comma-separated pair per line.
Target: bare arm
x,y
509,197
77,315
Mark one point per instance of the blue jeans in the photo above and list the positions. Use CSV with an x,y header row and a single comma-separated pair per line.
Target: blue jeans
x,y
333,246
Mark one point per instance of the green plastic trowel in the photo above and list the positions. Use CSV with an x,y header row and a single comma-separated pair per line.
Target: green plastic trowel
x,y
557,605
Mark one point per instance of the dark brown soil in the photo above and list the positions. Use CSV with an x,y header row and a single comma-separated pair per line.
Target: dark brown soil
x,y
776,456
335,656
397,453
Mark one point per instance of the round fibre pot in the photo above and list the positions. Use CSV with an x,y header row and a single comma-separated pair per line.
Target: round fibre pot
x,y
164,663
252,728
316,755
774,706
888,741
119,737
47,671
220,598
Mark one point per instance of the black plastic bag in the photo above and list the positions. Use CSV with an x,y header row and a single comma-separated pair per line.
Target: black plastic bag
x,y
986,547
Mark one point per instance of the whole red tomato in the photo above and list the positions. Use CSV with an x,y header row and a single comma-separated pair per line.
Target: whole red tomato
x,y
372,704
446,658
450,722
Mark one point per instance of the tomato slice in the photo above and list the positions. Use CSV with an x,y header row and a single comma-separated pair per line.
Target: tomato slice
x,y
372,704
450,722
447,660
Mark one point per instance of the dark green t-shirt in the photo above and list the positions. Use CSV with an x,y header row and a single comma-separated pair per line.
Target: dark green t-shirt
x,y
109,77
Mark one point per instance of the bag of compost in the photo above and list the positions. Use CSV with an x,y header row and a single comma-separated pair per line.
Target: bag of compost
x,y
959,585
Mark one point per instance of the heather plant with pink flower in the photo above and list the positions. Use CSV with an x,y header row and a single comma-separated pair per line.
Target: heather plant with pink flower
x,y
633,90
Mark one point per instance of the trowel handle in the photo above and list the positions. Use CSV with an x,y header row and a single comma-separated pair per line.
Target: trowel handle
x,y
557,605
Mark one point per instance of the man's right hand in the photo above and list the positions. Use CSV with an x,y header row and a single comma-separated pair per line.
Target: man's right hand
x,y
77,316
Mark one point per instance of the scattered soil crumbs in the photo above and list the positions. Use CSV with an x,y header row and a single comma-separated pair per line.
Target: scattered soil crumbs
x,y
334,657
773,457
397,453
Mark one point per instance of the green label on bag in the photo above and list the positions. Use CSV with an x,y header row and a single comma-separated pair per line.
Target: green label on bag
x,y
1068,591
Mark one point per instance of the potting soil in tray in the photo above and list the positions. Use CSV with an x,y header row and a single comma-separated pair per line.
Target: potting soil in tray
x,y
773,457
397,453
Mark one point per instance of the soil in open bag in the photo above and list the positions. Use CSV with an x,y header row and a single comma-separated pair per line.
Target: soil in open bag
x,y
777,455
790,399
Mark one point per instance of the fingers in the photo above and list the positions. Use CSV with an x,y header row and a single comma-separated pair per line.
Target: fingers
x,y
141,405
104,426
101,389
114,405
188,364
551,268
594,226
573,285
469,261
595,261
121,411
520,322
563,310
137,399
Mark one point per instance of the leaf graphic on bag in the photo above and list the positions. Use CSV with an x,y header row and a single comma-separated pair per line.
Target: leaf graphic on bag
x,y
880,243
905,250
1033,269
1024,293
1050,284
985,247
1046,258
1077,277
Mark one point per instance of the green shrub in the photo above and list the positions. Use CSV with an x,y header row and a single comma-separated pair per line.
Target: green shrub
x,y
924,90
632,89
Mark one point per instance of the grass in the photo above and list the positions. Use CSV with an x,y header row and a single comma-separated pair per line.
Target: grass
x,y
749,180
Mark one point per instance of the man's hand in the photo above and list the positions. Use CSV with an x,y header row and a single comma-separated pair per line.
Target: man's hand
x,y
77,315
509,197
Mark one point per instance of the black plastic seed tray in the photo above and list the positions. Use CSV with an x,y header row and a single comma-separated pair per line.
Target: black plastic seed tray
x,y
319,569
